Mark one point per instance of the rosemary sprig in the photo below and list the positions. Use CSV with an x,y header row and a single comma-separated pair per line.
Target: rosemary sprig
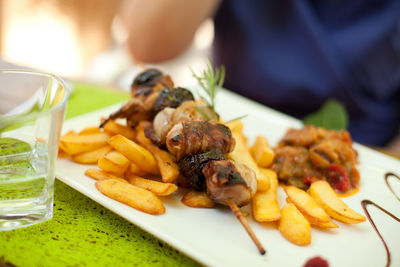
x,y
237,118
202,113
210,80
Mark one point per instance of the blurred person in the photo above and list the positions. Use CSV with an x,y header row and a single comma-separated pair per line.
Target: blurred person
x,y
290,55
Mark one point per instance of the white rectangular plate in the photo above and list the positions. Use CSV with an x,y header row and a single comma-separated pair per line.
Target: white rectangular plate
x,y
214,237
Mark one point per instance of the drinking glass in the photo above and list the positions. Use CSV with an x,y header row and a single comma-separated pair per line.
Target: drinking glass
x,y
32,106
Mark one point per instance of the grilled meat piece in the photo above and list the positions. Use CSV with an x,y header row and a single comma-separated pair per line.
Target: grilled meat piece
x,y
135,110
168,117
194,137
292,164
303,137
227,179
145,81
145,89
191,167
171,97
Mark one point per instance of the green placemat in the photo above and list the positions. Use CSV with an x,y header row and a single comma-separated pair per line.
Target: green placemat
x,y
88,97
82,232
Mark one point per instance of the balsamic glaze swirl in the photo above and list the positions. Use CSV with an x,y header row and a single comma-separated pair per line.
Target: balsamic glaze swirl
x,y
367,202
387,175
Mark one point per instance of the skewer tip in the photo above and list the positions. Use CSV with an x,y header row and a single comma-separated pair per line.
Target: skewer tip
x,y
246,226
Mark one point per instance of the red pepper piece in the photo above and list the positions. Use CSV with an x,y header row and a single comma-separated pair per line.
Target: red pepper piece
x,y
308,180
338,178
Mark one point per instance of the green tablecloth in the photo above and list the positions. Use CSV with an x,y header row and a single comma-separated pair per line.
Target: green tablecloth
x,y
83,233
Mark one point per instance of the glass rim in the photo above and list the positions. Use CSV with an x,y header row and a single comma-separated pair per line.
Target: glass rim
x,y
59,105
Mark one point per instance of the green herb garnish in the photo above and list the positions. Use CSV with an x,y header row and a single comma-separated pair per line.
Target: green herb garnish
x,y
332,116
237,118
210,80
202,113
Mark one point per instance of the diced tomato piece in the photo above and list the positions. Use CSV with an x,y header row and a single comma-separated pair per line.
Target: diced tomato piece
x,y
308,180
338,178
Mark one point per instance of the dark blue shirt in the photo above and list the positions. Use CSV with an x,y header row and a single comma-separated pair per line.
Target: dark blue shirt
x,y
293,55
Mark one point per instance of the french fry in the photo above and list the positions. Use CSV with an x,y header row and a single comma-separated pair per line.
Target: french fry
x,y
114,128
61,147
309,207
62,154
326,197
235,126
265,204
114,162
166,161
329,224
135,153
294,226
262,152
90,130
77,144
197,199
102,175
134,169
136,197
241,154
158,188
70,132
92,157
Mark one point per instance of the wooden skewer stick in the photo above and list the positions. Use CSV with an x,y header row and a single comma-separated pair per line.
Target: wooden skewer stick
x,y
246,225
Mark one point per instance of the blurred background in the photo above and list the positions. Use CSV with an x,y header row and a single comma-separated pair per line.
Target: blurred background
x,y
82,40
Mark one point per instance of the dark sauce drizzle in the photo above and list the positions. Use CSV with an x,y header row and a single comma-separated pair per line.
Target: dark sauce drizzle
x,y
387,175
367,202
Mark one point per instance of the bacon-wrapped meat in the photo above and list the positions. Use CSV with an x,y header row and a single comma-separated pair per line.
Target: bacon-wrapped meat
x,y
151,92
172,98
227,179
191,167
144,89
195,137
150,79
135,110
168,117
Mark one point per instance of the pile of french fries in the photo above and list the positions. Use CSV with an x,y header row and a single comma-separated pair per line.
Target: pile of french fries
x,y
134,171
124,156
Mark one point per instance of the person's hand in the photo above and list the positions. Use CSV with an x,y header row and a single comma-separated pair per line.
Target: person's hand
x,y
161,29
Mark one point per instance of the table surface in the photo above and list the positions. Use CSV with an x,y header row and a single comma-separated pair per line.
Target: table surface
x,y
81,231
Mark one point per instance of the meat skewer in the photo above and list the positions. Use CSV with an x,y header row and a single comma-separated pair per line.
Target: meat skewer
x,y
200,146
190,131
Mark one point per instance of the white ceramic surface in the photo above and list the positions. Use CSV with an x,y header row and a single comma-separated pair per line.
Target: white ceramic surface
x,y
214,237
